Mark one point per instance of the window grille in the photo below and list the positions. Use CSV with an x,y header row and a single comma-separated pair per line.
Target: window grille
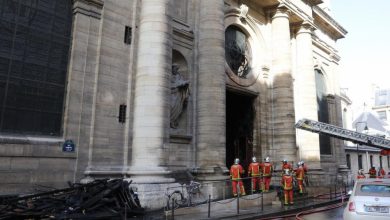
x,y
34,47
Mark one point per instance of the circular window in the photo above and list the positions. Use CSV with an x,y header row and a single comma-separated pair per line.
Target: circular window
x,y
238,53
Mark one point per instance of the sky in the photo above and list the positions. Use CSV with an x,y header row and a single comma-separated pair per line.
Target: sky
x,y
365,51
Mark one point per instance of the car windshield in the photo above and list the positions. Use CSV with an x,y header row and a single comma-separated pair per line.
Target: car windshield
x,y
373,189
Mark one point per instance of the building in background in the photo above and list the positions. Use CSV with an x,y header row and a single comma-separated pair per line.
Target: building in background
x,y
149,90
362,156
382,105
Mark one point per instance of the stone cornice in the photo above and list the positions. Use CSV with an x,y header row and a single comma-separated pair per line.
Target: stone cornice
x,y
334,27
296,11
92,8
326,48
313,2
97,3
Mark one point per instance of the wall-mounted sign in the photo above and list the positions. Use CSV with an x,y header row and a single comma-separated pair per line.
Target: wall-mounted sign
x,y
68,146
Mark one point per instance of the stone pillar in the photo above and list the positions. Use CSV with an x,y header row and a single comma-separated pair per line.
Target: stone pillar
x,y
306,96
283,116
151,104
82,74
211,110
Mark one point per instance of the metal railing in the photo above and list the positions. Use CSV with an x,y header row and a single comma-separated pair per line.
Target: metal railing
x,y
220,192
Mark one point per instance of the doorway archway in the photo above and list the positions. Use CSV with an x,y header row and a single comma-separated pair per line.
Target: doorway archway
x,y
239,128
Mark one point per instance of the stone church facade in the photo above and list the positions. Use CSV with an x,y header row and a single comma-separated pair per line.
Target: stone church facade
x,y
157,88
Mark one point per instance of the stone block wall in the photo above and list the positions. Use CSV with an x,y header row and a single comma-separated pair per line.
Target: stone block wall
x,y
26,165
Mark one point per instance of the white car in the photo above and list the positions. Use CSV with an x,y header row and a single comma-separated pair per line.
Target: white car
x,y
370,200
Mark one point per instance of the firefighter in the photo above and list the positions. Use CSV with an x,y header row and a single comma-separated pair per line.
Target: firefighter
x,y
287,185
361,174
381,173
300,175
304,166
254,171
306,180
267,170
372,172
236,172
285,165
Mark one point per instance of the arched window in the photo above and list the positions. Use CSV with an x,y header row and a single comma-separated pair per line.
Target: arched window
x,y
34,46
237,51
323,113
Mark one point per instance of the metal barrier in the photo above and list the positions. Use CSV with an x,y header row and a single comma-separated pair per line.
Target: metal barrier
x,y
220,192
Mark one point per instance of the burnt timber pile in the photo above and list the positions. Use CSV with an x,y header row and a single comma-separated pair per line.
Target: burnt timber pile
x,y
100,199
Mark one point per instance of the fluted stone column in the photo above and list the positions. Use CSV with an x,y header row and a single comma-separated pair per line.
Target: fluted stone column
x,y
283,118
306,96
151,104
211,137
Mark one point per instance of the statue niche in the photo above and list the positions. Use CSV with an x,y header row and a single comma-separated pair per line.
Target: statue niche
x,y
180,91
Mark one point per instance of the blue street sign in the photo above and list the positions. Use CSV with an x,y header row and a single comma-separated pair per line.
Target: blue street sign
x,y
68,146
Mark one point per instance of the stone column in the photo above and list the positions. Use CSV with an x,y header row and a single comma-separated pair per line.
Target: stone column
x,y
306,96
211,110
283,115
151,104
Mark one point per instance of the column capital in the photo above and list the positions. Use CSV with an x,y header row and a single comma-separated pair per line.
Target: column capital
x,y
281,11
305,27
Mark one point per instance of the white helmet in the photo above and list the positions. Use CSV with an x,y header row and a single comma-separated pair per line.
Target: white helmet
x,y
254,159
267,159
302,162
236,161
284,161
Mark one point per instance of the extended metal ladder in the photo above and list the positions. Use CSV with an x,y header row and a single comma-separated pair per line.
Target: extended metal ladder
x,y
344,134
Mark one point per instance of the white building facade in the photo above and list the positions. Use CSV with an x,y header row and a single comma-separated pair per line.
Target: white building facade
x,y
155,88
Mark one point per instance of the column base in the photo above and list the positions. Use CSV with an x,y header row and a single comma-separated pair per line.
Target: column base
x,y
211,173
313,165
109,171
141,175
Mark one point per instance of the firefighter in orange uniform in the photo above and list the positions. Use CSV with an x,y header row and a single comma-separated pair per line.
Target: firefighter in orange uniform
x,y
372,172
236,172
306,180
360,174
267,170
304,166
381,173
254,172
300,175
287,184
285,166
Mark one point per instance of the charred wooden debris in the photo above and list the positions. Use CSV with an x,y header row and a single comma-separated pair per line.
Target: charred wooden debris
x,y
100,199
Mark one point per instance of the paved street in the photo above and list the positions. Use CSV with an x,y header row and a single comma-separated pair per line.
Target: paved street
x,y
333,214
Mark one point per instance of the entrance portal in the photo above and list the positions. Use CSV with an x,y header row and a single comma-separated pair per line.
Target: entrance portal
x,y
239,128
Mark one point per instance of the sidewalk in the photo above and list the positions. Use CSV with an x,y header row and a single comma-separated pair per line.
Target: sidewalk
x,y
250,208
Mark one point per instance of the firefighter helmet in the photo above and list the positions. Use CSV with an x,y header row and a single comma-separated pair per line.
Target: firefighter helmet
x,y
267,159
284,161
254,159
236,161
